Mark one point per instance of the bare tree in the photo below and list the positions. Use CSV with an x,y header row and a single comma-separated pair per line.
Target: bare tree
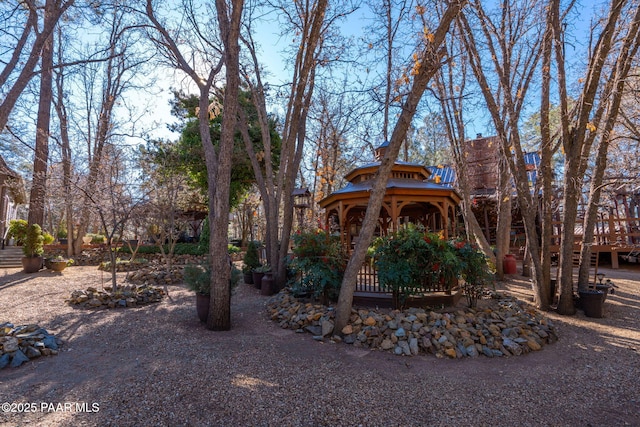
x,y
606,117
596,109
427,62
312,25
451,88
33,29
512,36
212,52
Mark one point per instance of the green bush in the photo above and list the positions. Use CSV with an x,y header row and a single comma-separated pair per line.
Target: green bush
x,y
203,243
48,238
18,230
318,262
251,258
62,232
400,259
198,278
96,239
33,242
411,261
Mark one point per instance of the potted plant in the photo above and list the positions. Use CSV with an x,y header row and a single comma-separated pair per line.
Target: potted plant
x,y
198,279
17,231
33,249
57,263
62,235
258,274
251,260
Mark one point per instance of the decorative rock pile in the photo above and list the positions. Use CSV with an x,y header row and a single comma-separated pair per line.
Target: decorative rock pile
x,y
156,275
19,344
508,328
125,296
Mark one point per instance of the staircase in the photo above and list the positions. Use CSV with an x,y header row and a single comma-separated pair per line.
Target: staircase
x,y
11,257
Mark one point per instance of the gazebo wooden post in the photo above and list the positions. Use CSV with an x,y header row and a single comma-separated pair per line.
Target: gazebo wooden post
x,y
394,214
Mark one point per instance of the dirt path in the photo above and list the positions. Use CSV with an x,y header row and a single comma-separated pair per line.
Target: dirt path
x,y
157,365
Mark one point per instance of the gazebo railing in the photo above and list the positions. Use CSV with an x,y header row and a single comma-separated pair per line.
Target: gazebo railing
x,y
368,281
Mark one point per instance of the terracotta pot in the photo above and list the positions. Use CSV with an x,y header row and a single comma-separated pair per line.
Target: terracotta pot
x,y
202,306
509,264
56,265
32,264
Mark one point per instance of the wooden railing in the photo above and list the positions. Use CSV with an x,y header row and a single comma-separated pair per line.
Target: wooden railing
x,y
368,281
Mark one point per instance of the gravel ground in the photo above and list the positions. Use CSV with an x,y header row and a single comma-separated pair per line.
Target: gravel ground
x,y
158,365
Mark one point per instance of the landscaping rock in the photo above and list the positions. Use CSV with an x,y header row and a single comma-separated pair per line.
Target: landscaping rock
x,y
505,327
19,344
125,296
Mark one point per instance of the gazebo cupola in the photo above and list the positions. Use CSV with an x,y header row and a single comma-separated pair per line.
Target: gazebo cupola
x,y
410,196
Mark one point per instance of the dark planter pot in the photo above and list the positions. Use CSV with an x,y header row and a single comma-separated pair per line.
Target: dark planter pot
x,y
605,291
552,290
63,241
248,278
32,264
592,303
267,285
202,306
257,279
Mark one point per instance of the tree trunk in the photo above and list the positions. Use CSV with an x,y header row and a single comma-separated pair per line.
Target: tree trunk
x,y
430,60
503,227
219,174
41,159
52,13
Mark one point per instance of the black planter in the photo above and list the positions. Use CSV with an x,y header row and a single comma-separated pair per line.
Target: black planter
x,y
202,306
605,291
592,303
257,279
248,278
267,285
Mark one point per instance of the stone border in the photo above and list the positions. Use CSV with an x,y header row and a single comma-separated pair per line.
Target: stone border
x,y
506,327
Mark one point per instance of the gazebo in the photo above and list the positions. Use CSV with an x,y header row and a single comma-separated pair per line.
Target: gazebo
x,y
412,195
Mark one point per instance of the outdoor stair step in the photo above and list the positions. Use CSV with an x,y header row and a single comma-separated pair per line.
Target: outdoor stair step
x,y
11,257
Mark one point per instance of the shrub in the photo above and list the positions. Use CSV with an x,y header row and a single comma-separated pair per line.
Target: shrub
x,y
18,230
198,278
96,239
33,242
411,261
188,249
319,262
251,259
203,243
400,259
62,233
48,238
